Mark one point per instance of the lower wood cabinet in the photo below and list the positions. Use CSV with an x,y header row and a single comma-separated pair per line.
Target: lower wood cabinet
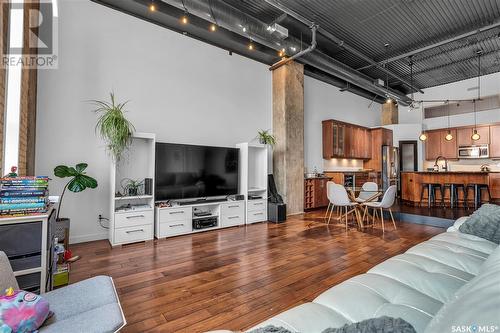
x,y
315,193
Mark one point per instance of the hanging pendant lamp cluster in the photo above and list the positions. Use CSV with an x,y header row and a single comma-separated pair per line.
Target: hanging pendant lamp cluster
x,y
475,135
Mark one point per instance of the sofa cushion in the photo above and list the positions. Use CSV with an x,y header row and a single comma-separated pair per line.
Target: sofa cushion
x,y
466,240
307,317
475,306
484,223
381,296
92,301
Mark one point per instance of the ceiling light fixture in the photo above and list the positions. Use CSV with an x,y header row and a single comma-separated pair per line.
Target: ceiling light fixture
x,y
251,46
152,6
475,135
213,26
389,99
184,18
448,136
282,53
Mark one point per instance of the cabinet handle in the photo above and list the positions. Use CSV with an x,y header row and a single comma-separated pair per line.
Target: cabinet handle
x,y
232,217
176,225
234,206
132,231
135,217
177,212
258,204
258,214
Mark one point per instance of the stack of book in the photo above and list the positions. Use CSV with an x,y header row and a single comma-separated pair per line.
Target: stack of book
x,y
22,196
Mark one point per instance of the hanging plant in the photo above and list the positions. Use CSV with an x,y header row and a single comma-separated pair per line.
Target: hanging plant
x,y
266,138
113,127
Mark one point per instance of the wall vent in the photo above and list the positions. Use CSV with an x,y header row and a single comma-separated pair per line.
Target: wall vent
x,y
486,103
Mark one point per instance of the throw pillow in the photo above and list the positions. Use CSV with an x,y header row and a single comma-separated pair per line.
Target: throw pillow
x,y
22,311
373,325
484,223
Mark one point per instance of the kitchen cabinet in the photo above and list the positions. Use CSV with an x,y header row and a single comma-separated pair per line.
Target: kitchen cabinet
x,y
379,137
449,149
494,183
495,141
433,145
343,140
315,195
464,136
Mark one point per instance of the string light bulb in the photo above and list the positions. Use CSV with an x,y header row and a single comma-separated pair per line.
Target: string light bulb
x,y
448,136
213,27
250,46
475,135
423,136
184,19
282,53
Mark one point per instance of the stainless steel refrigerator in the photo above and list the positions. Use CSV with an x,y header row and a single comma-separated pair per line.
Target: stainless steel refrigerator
x,y
390,167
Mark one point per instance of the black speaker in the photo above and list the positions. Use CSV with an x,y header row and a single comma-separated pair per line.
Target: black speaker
x,y
148,186
276,212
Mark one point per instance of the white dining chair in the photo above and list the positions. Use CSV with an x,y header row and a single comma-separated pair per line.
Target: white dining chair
x,y
368,190
329,196
341,199
385,204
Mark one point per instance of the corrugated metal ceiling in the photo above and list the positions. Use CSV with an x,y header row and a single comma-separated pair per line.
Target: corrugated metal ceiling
x,y
406,25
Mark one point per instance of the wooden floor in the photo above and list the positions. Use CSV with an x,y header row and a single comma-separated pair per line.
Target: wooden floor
x,y
235,278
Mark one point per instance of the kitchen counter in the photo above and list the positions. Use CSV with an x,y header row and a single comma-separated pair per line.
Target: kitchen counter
x,y
411,183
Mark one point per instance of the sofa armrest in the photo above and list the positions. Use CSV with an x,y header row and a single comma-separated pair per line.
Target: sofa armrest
x,y
457,224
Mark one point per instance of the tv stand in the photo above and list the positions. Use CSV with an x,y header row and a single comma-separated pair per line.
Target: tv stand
x,y
200,201
181,219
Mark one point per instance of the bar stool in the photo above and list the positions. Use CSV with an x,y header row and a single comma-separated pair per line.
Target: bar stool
x,y
431,193
478,192
454,187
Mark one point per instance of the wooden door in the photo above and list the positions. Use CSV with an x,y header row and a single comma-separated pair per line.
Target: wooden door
x,y
408,192
495,141
433,145
349,141
449,149
321,194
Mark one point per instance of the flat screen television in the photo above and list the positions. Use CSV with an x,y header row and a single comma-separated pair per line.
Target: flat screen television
x,y
187,171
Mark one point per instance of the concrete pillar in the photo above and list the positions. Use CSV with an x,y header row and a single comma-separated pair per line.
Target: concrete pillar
x,y
390,113
288,127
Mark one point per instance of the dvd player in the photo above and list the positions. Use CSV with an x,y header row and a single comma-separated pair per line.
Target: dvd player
x,y
205,222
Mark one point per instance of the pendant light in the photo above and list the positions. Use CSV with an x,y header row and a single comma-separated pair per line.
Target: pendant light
x,y
475,135
152,6
448,136
213,26
389,99
423,135
184,18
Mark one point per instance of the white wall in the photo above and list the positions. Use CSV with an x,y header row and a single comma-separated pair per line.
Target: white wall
x,y
323,101
179,88
490,85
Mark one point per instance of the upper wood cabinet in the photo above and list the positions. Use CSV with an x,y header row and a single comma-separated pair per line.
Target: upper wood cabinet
x,y
433,145
495,141
379,137
343,140
449,149
464,136
436,145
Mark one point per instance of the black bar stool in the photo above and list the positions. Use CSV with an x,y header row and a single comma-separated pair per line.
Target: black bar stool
x,y
431,193
477,188
454,187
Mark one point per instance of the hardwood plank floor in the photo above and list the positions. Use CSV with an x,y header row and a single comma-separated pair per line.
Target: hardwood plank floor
x,y
235,278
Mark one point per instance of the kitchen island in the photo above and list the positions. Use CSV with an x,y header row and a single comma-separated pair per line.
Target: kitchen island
x,y
411,183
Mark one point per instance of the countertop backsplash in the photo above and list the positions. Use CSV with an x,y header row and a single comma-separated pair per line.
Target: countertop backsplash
x,y
466,165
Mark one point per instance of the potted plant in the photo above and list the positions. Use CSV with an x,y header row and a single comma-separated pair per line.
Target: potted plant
x,y
113,127
131,187
79,182
266,138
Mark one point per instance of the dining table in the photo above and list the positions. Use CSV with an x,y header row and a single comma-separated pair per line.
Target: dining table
x,y
360,208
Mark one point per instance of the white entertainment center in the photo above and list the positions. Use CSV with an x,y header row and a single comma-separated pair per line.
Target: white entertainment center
x,y
129,224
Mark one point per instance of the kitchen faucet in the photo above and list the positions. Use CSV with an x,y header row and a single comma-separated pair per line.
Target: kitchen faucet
x,y
436,165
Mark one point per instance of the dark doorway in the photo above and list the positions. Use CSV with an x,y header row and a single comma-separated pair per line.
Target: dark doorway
x,y
408,156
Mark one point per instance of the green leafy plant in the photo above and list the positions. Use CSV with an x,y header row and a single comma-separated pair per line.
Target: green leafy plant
x,y
266,138
131,187
113,127
79,180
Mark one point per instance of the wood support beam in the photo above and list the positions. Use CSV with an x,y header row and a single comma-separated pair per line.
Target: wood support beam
x,y
390,113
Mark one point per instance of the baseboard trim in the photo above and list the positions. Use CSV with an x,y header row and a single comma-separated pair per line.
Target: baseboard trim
x,y
87,238
421,219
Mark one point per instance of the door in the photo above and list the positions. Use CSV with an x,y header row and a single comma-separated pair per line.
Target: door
x,y
408,156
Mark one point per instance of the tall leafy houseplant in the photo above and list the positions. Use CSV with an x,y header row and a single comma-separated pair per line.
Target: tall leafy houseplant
x,y
113,127
266,138
79,180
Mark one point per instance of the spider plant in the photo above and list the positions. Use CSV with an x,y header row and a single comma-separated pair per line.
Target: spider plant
x,y
113,127
266,138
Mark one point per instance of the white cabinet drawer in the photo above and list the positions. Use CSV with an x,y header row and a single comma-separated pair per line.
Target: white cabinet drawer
x,y
232,208
133,234
130,219
254,205
174,228
176,214
232,220
256,216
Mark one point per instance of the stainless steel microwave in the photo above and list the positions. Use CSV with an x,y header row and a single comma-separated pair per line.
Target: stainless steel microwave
x,y
480,151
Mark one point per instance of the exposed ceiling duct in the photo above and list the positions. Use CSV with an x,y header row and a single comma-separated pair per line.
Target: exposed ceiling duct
x,y
230,18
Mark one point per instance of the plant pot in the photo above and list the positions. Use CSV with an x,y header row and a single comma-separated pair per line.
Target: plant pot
x,y
262,141
132,192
